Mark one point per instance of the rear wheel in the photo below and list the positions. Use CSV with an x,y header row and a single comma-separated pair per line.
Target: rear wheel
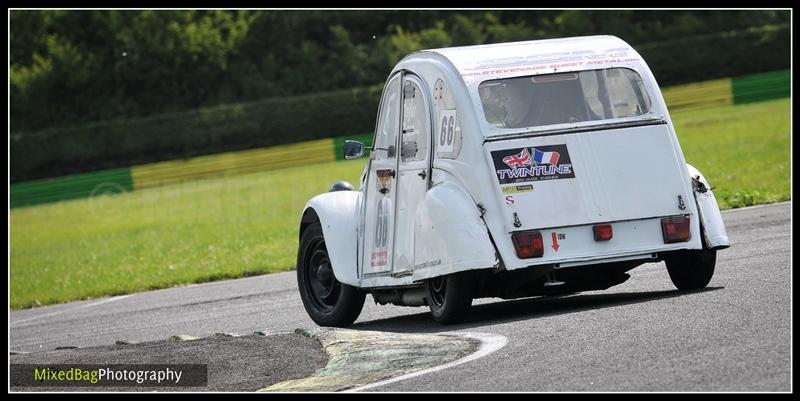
x,y
450,297
691,270
327,301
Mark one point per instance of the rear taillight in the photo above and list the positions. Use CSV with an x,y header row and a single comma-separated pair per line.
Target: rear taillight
x,y
528,244
675,229
603,232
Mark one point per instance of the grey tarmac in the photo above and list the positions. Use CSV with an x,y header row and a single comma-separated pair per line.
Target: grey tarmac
x,y
642,335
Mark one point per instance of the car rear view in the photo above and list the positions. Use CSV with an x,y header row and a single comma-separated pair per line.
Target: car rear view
x,y
510,170
586,171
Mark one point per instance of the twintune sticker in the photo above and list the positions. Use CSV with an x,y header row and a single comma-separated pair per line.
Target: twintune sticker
x,y
549,162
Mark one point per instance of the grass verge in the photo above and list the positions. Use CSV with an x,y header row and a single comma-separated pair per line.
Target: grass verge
x,y
247,225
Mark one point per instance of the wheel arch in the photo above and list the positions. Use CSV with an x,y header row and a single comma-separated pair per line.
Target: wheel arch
x,y
309,217
450,234
338,215
713,228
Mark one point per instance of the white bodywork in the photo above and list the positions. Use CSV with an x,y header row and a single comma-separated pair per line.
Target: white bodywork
x,y
452,213
445,221
338,214
713,228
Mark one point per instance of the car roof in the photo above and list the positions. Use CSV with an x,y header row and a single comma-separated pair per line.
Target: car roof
x,y
531,57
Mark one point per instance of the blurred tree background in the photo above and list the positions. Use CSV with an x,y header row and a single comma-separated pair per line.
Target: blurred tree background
x,y
70,69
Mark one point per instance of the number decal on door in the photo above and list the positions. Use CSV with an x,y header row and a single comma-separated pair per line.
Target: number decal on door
x,y
381,229
379,247
447,128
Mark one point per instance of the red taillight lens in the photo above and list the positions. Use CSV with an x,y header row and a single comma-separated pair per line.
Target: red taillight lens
x,y
603,232
675,229
528,244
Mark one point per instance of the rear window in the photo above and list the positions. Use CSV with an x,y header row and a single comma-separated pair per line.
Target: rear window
x,y
564,98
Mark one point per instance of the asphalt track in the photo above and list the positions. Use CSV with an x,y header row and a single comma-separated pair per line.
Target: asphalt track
x,y
243,363
642,335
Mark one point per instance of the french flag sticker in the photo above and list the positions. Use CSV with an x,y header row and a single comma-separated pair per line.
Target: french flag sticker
x,y
545,157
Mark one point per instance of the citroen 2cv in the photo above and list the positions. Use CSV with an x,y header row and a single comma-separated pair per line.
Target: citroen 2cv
x,y
509,170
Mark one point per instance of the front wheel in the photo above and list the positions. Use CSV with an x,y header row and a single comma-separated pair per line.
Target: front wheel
x,y
450,297
327,301
690,270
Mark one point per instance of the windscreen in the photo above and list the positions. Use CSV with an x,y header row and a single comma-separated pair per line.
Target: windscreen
x,y
561,98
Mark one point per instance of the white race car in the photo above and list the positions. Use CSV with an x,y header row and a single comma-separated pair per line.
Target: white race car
x,y
509,170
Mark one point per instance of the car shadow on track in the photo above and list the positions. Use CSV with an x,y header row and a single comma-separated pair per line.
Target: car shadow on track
x,y
520,309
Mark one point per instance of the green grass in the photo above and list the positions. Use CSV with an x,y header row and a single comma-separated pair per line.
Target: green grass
x,y
247,225
194,232
743,150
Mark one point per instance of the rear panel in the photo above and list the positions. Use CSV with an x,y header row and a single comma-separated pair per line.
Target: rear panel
x,y
564,184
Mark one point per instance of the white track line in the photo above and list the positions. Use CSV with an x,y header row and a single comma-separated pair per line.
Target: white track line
x,y
70,309
757,206
489,344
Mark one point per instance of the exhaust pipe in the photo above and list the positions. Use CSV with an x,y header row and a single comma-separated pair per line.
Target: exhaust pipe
x,y
407,297
414,297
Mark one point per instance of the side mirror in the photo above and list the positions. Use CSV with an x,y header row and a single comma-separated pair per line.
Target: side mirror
x,y
353,149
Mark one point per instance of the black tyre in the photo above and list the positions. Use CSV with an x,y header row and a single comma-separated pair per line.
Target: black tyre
x,y
691,270
450,297
327,301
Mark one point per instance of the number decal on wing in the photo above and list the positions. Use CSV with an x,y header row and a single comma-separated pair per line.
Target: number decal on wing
x,y
447,127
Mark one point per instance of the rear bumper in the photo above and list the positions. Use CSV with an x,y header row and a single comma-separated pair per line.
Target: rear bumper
x,y
632,240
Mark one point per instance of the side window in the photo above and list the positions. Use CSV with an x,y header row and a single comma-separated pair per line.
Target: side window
x,y
447,136
628,88
591,89
385,138
415,124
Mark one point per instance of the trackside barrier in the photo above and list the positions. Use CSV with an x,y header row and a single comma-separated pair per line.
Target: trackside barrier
x,y
726,91
718,92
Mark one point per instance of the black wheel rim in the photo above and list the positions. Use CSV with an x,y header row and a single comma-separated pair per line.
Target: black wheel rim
x,y
438,290
320,281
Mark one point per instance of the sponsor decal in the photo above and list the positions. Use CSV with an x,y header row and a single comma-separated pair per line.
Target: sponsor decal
x,y
428,264
384,180
549,162
379,258
510,200
542,62
516,189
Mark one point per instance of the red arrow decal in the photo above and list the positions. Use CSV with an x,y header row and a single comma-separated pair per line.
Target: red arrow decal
x,y
555,241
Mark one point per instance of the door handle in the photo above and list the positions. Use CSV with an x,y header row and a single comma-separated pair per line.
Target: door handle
x,y
423,174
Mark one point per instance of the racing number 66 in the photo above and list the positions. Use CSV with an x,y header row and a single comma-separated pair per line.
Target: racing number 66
x,y
446,133
447,130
